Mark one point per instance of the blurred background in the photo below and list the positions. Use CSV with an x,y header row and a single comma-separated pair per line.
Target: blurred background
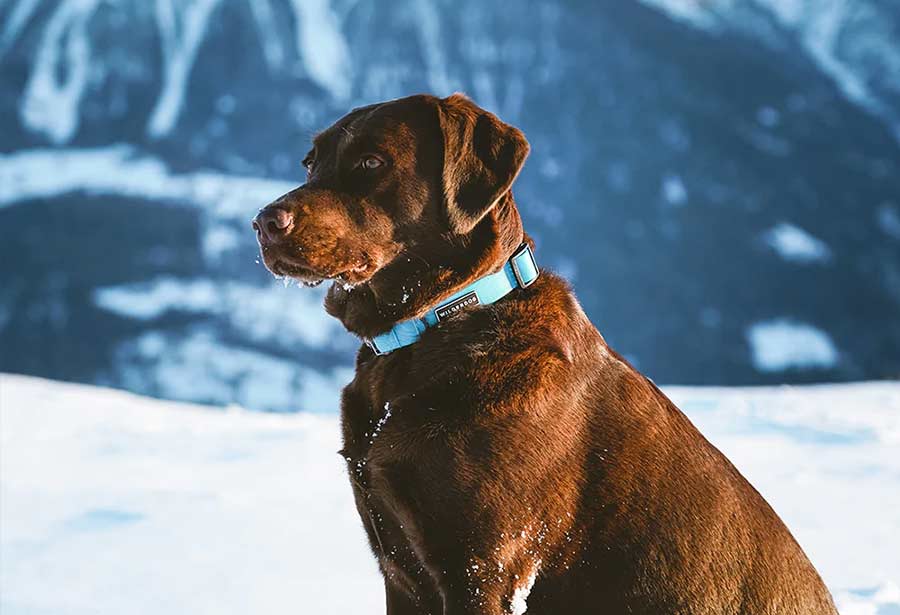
x,y
719,179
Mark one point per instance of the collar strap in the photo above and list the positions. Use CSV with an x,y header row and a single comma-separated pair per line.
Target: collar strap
x,y
520,271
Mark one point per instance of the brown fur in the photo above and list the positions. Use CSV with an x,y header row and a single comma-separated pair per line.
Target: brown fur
x,y
510,442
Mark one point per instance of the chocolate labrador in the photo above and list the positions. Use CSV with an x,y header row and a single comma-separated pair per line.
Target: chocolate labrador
x,y
501,455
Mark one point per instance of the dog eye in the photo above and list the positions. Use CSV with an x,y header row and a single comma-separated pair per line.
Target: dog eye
x,y
310,165
309,162
370,162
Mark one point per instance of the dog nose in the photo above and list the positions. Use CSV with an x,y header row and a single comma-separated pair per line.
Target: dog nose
x,y
272,223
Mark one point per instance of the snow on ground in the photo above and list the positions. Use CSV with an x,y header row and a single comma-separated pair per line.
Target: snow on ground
x,y
113,503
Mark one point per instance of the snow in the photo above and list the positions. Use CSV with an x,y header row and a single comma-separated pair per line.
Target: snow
x,y
863,68
182,27
873,601
266,25
52,98
821,37
673,190
200,365
796,245
219,239
18,18
263,313
210,367
122,504
226,201
431,39
826,458
116,504
687,11
381,422
889,220
519,602
777,345
61,75
151,300
266,314
121,170
321,45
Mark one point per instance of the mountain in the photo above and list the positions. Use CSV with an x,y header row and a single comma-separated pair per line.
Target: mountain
x,y
720,180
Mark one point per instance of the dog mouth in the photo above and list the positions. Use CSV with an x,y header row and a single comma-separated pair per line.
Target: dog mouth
x,y
305,276
310,277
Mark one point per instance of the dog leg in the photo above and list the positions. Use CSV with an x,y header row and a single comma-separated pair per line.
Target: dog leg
x,y
400,602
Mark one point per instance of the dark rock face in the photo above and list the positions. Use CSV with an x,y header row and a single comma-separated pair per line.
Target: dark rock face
x,y
722,186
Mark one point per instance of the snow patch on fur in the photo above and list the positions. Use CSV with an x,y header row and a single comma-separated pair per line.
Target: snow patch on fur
x,y
519,602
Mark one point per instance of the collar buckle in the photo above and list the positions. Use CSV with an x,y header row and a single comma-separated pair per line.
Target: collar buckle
x,y
374,347
514,263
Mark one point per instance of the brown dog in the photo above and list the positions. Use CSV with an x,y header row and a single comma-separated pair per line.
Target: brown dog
x,y
509,453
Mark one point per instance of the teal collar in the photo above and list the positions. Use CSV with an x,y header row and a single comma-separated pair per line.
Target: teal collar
x,y
520,271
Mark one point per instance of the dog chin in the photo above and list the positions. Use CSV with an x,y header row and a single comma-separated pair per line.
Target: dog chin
x,y
355,276
289,271
347,279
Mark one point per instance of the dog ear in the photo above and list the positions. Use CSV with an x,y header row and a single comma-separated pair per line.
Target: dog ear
x,y
482,157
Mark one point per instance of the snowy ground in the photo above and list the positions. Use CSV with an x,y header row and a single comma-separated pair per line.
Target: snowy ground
x,y
113,503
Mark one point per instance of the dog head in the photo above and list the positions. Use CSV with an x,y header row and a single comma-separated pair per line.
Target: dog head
x,y
402,199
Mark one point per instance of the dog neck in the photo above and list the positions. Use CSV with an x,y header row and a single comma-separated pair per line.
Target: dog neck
x,y
422,275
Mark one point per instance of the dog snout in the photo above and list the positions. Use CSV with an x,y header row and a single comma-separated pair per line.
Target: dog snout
x,y
272,223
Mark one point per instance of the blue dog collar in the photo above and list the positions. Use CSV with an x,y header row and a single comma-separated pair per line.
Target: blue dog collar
x,y
520,271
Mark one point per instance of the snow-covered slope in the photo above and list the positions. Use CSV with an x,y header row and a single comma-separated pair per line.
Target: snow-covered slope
x,y
852,41
113,503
